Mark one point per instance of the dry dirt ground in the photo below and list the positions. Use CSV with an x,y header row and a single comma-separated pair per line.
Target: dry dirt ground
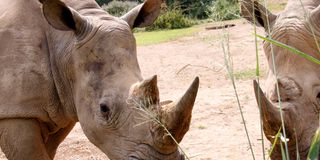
x,y
216,130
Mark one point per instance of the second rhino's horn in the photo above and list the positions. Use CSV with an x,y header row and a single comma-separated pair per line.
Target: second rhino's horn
x,y
270,114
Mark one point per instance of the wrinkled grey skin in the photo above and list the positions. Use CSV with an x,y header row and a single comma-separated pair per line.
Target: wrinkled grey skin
x,y
64,62
298,78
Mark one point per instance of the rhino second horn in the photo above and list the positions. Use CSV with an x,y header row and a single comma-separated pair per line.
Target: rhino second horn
x,y
179,113
148,90
270,114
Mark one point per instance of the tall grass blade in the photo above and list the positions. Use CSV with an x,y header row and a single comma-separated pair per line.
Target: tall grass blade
x,y
276,76
258,80
315,147
229,67
277,84
274,142
283,153
297,147
291,49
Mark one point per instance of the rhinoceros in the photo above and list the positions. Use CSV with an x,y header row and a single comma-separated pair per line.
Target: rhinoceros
x,y
297,78
63,62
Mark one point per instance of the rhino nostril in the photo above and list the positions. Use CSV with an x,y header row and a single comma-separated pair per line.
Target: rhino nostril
x,y
104,108
282,99
133,158
289,90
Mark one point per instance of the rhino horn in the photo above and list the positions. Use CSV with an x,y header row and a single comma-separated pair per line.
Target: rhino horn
x,y
270,114
146,93
178,114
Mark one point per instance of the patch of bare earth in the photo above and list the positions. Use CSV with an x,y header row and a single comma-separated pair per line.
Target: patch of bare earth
x,y
216,131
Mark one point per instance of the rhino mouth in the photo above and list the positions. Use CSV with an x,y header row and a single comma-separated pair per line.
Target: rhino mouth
x,y
137,158
147,152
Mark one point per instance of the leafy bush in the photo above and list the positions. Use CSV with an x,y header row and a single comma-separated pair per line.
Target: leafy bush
x,y
225,10
172,19
105,2
119,8
192,8
102,2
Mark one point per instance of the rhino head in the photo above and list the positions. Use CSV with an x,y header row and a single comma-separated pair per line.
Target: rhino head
x,y
296,78
118,111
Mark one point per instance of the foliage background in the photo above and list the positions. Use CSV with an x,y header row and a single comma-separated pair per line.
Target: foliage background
x,y
178,14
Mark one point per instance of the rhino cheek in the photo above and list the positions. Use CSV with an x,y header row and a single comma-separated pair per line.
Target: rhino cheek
x,y
89,125
90,128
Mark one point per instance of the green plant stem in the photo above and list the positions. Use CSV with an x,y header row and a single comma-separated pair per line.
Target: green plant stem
x,y
258,80
229,67
315,147
280,107
297,146
291,49
275,142
277,85
283,154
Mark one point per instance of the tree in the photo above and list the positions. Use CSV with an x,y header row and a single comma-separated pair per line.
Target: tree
x,y
192,8
102,2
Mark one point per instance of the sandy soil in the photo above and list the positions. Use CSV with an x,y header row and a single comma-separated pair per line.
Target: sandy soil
x,y
217,130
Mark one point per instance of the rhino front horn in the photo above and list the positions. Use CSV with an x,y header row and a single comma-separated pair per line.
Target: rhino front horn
x,y
269,113
178,114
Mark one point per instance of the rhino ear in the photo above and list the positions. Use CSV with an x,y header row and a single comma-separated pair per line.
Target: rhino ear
x,y
61,17
257,14
144,14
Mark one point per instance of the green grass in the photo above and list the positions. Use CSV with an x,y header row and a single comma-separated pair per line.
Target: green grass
x,y
291,49
211,38
202,127
315,147
246,74
277,7
155,37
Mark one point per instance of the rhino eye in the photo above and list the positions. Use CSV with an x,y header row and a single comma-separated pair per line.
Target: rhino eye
x,y
318,96
104,108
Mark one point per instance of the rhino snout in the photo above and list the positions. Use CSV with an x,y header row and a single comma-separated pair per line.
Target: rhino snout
x,y
178,157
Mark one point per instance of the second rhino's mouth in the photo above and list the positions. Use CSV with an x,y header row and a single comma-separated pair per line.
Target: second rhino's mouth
x,y
147,152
